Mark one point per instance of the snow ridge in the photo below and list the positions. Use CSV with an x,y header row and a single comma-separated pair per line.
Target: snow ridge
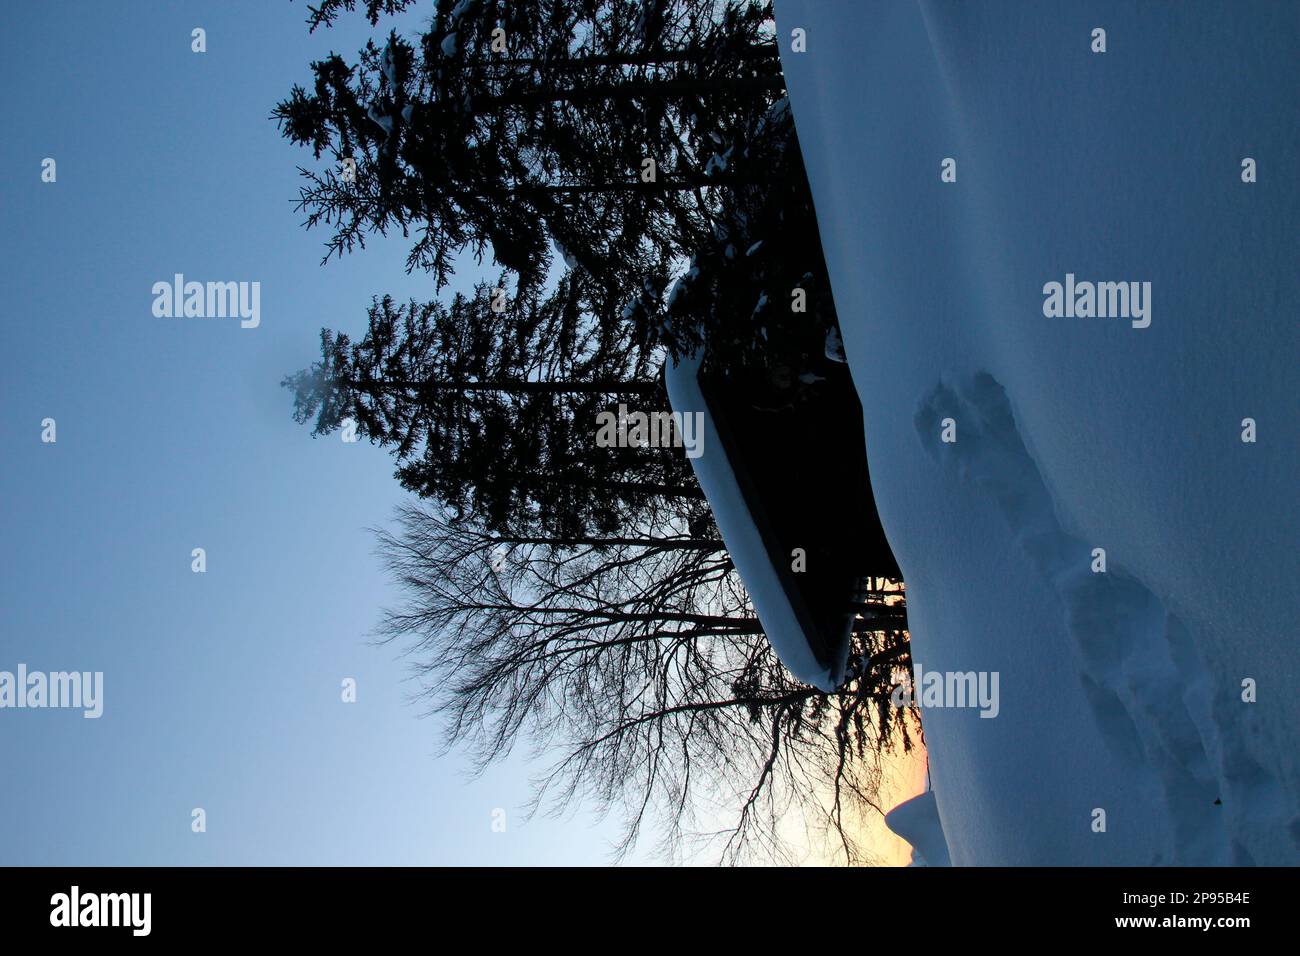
x,y
917,821
1163,714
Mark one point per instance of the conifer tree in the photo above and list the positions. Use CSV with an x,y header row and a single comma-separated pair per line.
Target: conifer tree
x,y
595,127
494,409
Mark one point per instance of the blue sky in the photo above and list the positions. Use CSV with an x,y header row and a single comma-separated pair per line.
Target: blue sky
x,y
222,690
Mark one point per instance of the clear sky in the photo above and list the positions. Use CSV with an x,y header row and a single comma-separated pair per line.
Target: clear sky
x,y
222,689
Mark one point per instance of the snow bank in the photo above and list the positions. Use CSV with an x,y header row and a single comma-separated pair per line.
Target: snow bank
x,y
1122,690
917,821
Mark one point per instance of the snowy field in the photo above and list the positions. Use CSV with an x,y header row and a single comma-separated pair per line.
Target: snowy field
x,y
1121,691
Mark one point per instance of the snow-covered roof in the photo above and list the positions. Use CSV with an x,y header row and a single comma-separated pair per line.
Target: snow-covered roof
x,y
743,538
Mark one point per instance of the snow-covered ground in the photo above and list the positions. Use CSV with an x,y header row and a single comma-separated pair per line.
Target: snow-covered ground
x,y
917,821
1120,691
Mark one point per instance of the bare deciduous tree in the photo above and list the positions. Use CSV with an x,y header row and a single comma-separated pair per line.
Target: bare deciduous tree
x,y
640,662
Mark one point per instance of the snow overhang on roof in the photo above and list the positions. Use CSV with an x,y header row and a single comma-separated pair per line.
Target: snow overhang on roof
x,y
781,622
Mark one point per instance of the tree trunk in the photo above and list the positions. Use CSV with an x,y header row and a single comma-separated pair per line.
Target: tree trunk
x,y
510,387
757,52
631,90
649,488
666,544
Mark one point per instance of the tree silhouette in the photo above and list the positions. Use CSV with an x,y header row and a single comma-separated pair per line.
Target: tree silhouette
x,y
494,411
569,595
518,128
640,662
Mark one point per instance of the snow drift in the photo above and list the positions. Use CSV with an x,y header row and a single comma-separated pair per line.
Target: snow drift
x,y
1127,732
917,821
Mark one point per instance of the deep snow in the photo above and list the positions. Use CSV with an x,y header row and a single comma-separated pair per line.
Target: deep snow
x,y
917,821
1121,691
